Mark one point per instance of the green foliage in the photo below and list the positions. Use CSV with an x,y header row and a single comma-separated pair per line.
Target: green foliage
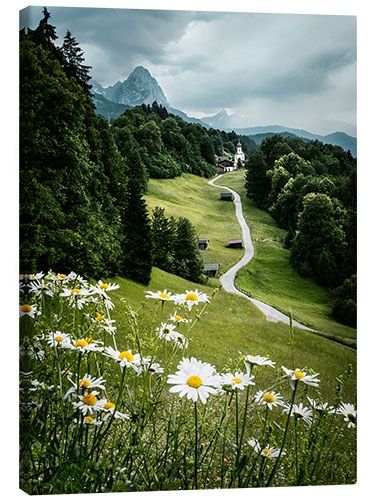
x,y
283,177
345,304
174,246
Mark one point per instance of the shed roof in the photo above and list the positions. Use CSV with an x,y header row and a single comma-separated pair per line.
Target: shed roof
x,y
226,195
202,241
234,241
211,266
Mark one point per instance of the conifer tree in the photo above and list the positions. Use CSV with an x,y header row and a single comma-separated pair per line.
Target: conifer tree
x,y
136,230
73,59
45,34
189,262
163,230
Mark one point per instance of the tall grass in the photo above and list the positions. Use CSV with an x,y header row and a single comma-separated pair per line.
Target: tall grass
x,y
126,407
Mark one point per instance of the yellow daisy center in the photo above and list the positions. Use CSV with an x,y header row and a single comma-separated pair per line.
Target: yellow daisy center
x,y
89,419
89,340
89,400
299,375
104,286
194,381
191,296
99,317
75,291
84,383
178,318
237,380
127,355
62,276
109,405
267,452
58,338
164,296
81,343
269,398
26,308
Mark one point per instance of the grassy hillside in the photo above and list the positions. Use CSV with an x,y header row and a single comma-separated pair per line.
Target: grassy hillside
x,y
190,196
269,276
233,324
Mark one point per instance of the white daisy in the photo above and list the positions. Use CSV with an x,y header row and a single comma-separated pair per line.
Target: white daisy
x,y
165,331
297,374
88,421
29,310
103,288
190,298
84,345
180,340
194,379
58,339
300,412
320,407
89,403
76,295
31,277
87,382
350,414
236,381
250,359
164,295
124,358
268,452
148,365
177,318
270,399
109,409
40,287
74,277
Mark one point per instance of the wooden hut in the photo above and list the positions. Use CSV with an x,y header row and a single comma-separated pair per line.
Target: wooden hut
x,y
235,243
211,268
226,196
202,244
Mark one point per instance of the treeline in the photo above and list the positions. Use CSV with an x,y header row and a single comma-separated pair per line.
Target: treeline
x,y
310,190
169,146
81,194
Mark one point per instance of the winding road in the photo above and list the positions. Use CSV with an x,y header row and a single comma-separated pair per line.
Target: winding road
x,y
228,279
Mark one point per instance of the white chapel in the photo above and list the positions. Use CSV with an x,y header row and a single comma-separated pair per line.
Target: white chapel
x,y
240,155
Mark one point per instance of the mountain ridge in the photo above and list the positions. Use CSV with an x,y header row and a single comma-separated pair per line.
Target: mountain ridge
x,y
142,88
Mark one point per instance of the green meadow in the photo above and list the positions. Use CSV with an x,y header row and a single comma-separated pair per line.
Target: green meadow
x,y
231,324
269,277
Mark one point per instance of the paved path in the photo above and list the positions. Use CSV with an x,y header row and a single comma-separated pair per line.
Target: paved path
x,y
228,279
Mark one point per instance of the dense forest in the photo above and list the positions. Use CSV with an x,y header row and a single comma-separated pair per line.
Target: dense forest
x,y
310,190
82,180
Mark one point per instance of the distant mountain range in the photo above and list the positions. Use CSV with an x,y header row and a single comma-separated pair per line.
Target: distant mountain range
x,y
142,88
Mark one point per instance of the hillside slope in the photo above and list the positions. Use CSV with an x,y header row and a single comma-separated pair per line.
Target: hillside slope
x,y
232,323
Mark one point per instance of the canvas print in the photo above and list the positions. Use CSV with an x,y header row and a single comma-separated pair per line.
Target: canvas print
x,y
187,250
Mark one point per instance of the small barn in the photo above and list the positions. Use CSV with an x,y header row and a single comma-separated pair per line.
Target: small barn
x,y
226,196
235,243
225,165
211,269
202,244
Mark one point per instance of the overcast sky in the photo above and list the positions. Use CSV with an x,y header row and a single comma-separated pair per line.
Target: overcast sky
x,y
288,69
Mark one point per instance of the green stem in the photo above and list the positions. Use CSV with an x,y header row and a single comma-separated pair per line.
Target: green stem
x,y
284,437
196,447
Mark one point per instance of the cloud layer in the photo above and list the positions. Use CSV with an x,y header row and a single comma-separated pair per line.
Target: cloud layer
x,y
295,70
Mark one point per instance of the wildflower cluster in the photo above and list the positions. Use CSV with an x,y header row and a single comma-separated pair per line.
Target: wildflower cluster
x,y
125,408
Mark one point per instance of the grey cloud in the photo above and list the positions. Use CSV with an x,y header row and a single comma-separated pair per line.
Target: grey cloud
x,y
205,61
